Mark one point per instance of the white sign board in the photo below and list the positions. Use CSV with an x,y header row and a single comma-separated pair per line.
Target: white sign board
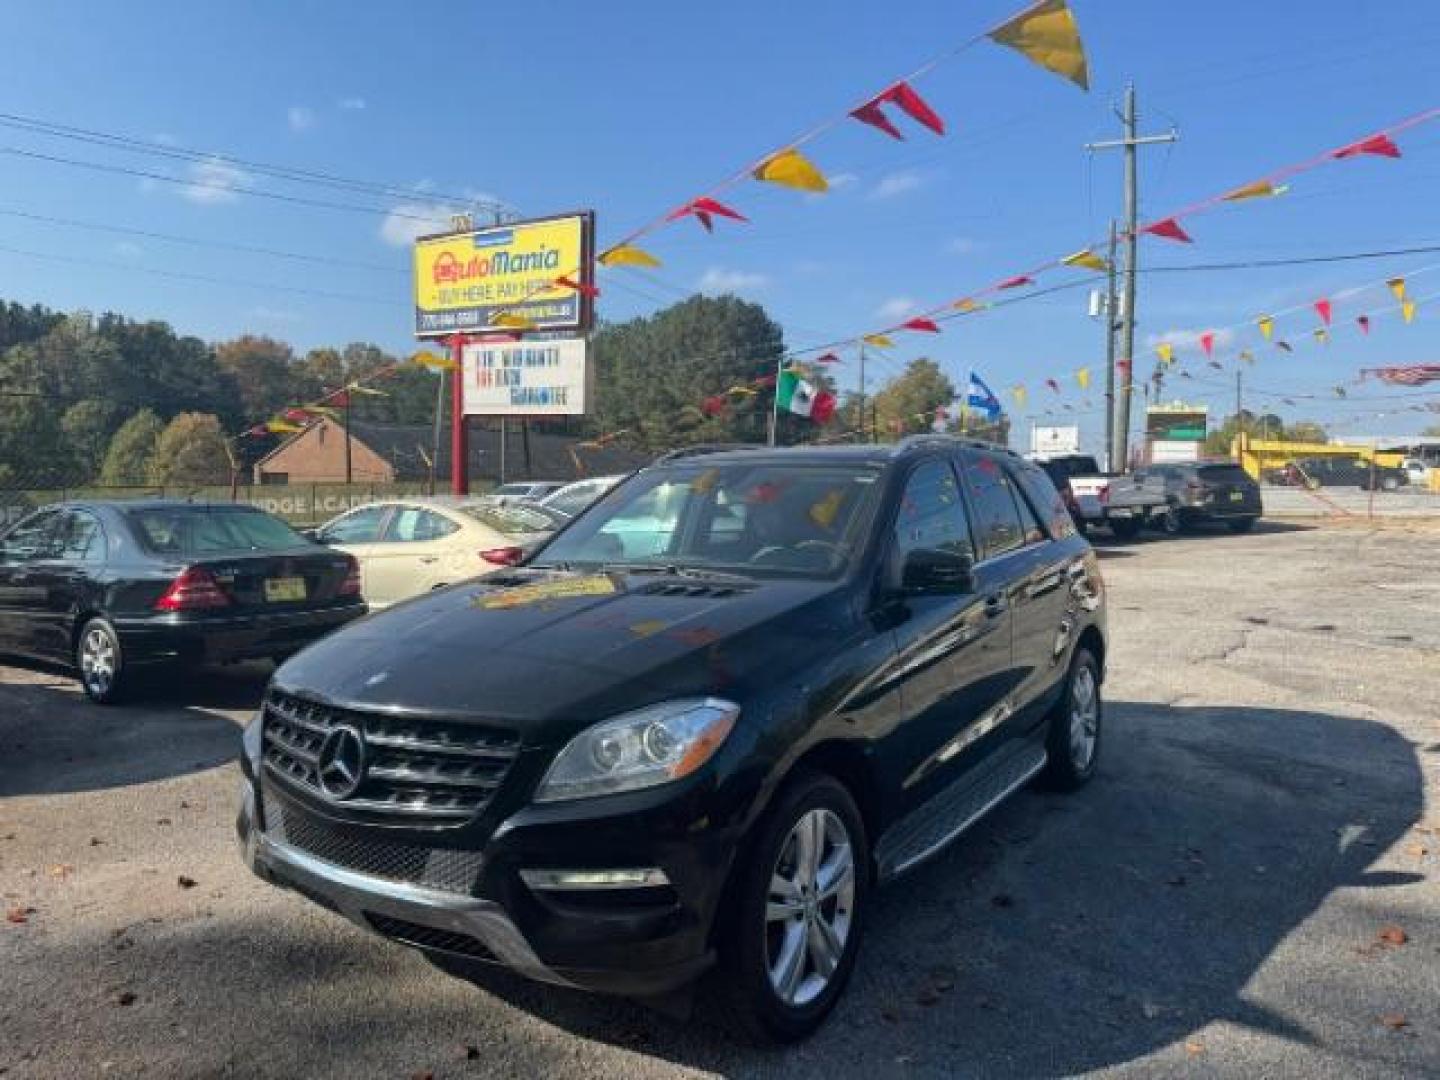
x,y
527,378
1172,451
1050,441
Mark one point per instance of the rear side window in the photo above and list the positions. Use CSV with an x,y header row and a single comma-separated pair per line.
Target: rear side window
x,y
932,514
413,524
31,538
358,527
79,538
997,515
198,530
1048,503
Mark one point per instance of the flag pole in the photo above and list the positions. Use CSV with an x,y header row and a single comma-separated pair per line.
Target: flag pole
x,y
775,401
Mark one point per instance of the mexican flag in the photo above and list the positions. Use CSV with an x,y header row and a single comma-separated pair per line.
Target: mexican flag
x,y
794,394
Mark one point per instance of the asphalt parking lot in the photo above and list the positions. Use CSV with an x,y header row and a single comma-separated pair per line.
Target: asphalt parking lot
x,y
1248,888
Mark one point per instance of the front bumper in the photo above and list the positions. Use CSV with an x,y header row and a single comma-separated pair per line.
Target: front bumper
x,y
622,952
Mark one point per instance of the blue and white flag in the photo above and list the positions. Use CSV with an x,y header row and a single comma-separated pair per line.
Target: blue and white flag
x,y
979,397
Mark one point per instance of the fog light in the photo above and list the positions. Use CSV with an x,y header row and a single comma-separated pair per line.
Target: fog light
x,y
556,880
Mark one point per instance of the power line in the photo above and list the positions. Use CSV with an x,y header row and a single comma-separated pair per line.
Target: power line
x,y
282,172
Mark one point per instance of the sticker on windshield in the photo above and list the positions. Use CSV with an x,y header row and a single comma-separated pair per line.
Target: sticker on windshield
x,y
565,588
824,509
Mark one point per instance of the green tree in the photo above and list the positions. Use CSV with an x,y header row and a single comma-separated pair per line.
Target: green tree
x,y
261,369
127,460
191,450
32,445
88,426
907,403
1307,431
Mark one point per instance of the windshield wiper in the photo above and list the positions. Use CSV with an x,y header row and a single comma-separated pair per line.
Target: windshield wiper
x,y
672,570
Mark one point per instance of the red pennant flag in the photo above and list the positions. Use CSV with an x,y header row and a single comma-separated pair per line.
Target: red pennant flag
x,y
705,209
1168,229
1322,308
1053,385
828,358
1207,342
1379,145
1016,282
903,97
567,282
1364,323
340,399
927,325
822,407
713,406
765,381
257,431
298,416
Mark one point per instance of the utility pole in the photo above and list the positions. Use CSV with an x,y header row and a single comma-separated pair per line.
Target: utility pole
x,y
1109,314
860,398
1239,423
1130,143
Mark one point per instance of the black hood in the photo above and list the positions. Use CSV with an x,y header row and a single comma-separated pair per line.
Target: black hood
x,y
546,653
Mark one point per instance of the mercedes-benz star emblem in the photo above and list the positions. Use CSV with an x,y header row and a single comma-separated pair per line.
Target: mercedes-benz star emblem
x,y
340,767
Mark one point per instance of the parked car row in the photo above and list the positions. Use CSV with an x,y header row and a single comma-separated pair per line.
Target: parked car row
x,y
1322,472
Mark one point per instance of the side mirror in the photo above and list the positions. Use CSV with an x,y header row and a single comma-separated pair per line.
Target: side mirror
x,y
932,571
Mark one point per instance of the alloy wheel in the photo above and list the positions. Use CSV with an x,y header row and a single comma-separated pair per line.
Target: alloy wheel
x,y
97,661
809,910
1084,717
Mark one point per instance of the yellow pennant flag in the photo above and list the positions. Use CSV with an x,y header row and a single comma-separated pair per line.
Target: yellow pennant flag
x,y
1166,351
880,341
511,321
1046,34
967,304
1322,335
1260,189
1083,378
1246,356
430,360
1267,326
1019,392
1407,311
743,391
792,169
282,427
1397,286
370,390
1088,259
627,255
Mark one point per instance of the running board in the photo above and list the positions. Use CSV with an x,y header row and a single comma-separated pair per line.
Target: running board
x,y
928,828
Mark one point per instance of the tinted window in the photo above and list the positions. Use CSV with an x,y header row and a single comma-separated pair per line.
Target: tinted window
x,y
1048,503
1223,474
360,527
932,515
997,517
30,538
79,538
412,524
201,530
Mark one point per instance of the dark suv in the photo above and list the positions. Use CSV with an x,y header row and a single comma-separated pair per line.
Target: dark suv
x,y
1208,491
698,726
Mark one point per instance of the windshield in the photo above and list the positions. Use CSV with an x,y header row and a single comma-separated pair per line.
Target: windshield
x,y
794,519
199,530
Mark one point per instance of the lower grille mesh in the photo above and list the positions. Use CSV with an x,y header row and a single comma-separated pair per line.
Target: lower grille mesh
x,y
427,937
436,868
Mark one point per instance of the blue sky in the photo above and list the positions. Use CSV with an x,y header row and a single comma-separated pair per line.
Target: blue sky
x,y
633,108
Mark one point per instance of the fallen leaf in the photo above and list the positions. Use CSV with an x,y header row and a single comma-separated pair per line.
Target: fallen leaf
x,y
162,821
1418,850
19,914
422,1074
126,998
61,870
1395,1021
1393,935
186,882
95,841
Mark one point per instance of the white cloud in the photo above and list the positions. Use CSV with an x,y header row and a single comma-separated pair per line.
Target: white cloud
x,y
718,280
409,220
300,117
213,181
1190,339
351,104
898,183
897,307
842,180
128,249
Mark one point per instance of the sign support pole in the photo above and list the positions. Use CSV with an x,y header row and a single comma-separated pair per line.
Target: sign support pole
x,y
459,434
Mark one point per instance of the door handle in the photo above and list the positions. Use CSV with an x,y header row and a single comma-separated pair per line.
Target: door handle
x,y
995,606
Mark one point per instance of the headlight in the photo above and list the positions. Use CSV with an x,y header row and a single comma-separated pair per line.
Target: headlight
x,y
641,749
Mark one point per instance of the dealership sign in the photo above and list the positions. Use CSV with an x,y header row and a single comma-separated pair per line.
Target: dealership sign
x,y
463,281
535,377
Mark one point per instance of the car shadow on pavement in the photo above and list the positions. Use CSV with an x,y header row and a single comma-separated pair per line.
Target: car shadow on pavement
x,y
1071,932
53,741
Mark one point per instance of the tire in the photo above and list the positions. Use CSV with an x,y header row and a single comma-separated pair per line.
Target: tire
x,y
1070,761
1172,522
1241,525
1125,528
753,943
101,663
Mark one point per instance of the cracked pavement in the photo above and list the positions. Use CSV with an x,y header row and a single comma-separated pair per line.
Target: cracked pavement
x,y
1248,887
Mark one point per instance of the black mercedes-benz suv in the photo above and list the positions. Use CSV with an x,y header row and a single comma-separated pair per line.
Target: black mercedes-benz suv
x,y
697,727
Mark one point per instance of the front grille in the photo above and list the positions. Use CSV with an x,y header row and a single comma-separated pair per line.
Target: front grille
x,y
436,868
427,937
415,769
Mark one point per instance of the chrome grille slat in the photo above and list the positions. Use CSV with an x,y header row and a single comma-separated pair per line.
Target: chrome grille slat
x,y
417,767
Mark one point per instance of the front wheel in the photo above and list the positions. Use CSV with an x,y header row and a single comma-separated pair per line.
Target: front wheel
x,y
101,663
1172,522
792,943
1072,744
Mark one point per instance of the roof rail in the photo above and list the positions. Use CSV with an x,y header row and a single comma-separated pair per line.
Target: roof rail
x,y
700,449
934,439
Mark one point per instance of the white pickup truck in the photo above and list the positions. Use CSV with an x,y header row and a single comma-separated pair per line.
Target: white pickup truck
x,y
1125,504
